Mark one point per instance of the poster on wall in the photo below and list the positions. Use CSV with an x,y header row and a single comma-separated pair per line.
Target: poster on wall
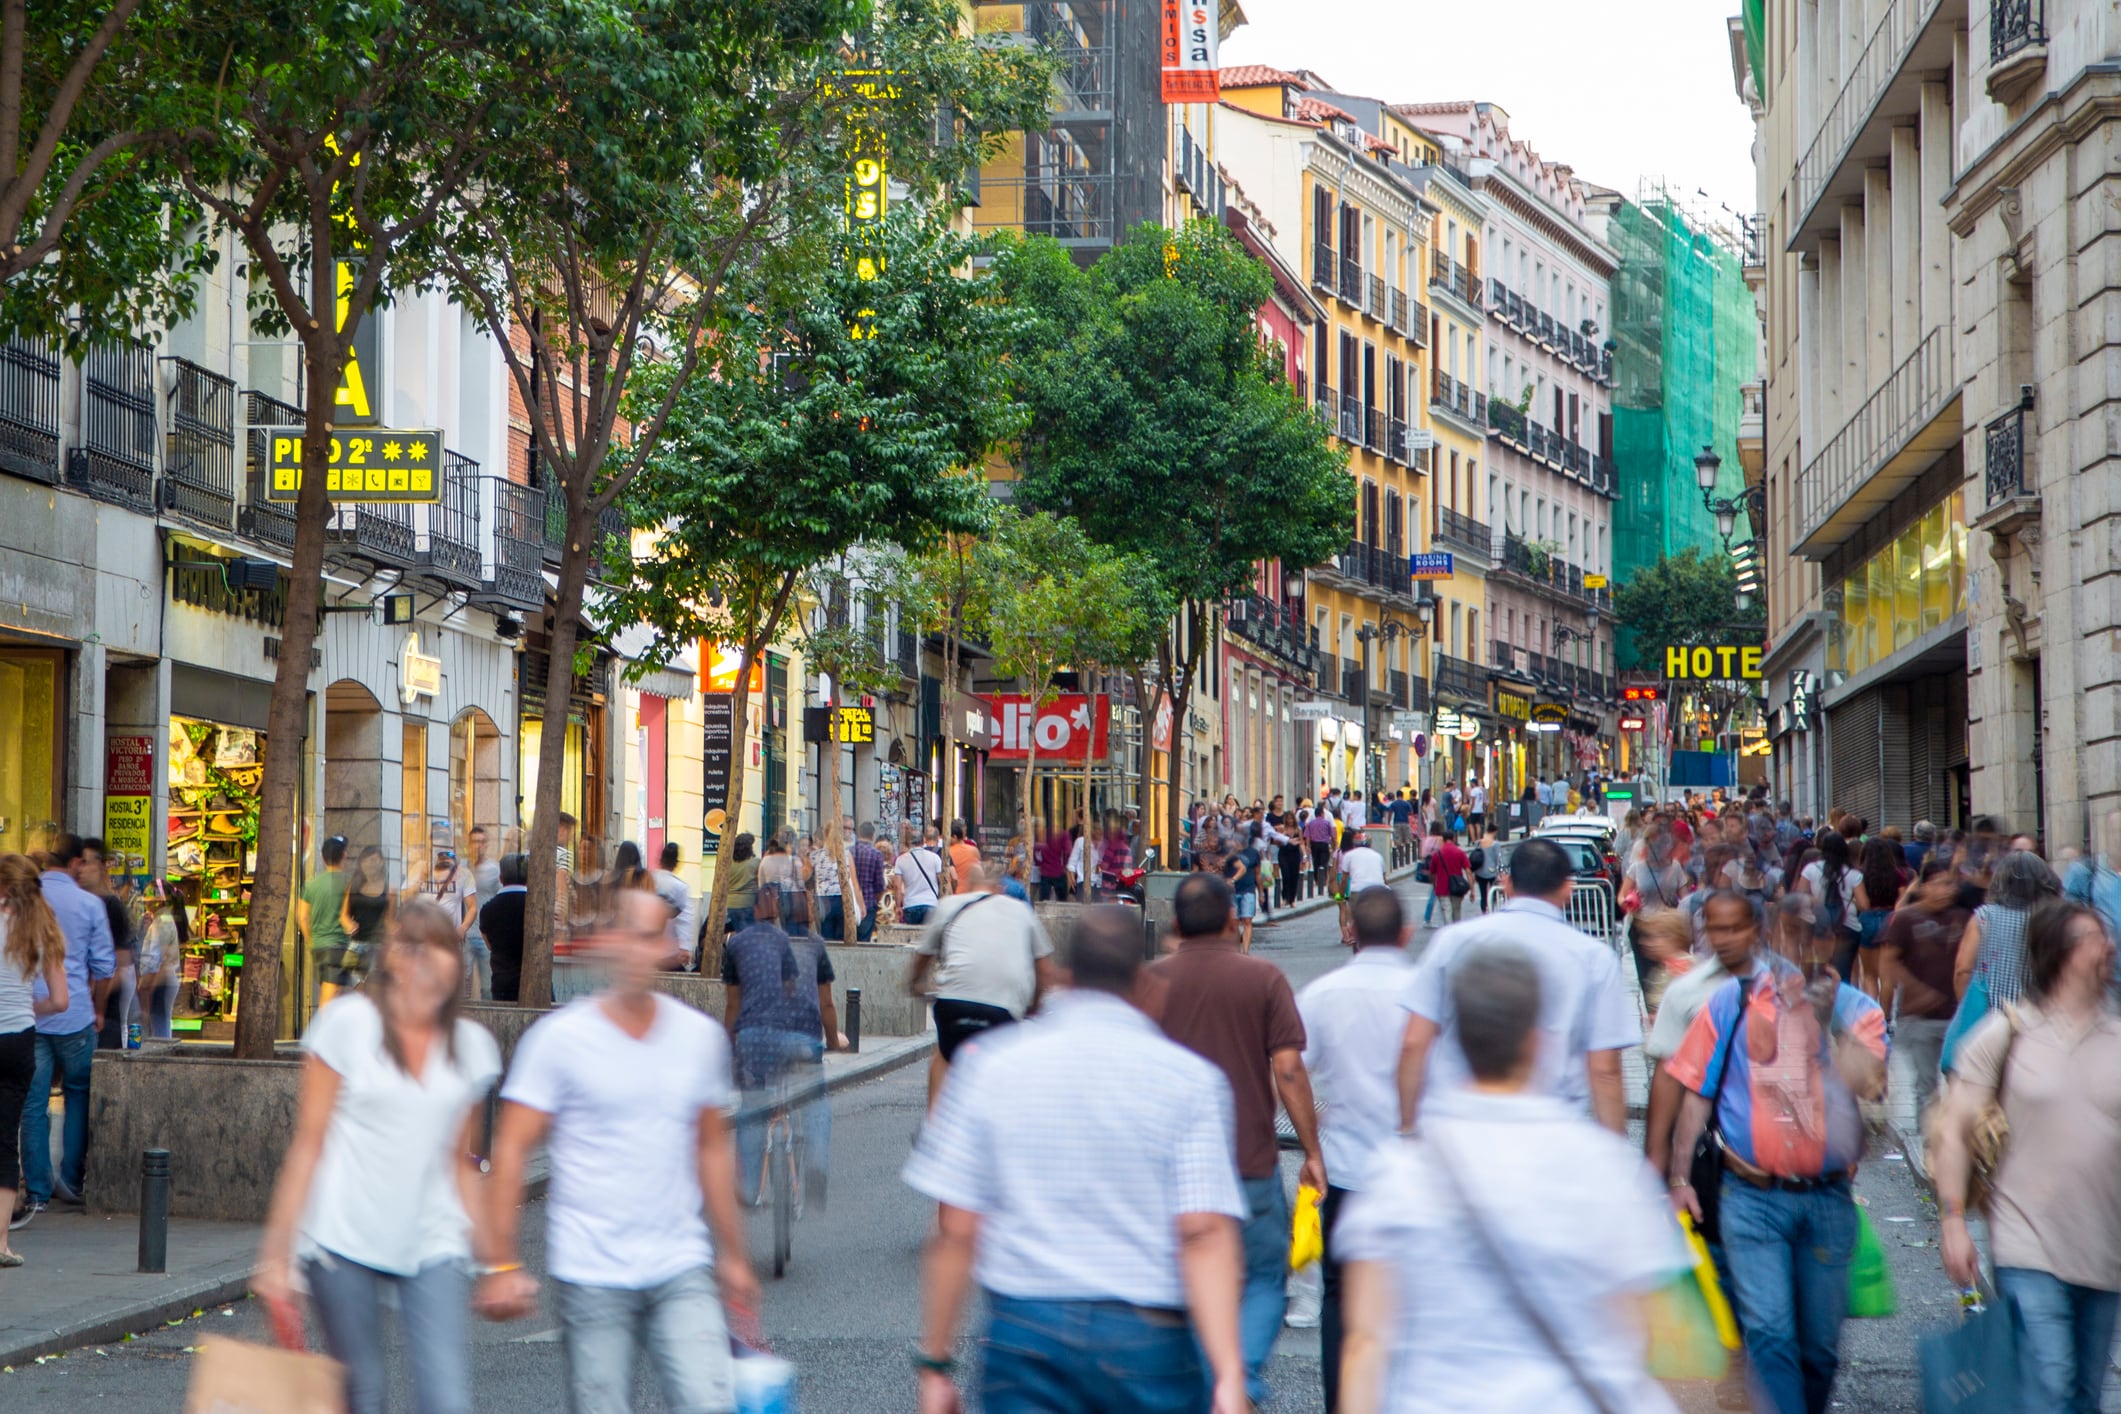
x,y
717,751
1192,33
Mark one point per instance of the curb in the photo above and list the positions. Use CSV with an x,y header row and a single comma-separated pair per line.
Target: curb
x,y
893,1053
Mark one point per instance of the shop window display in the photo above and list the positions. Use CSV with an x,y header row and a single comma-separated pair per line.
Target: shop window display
x,y
215,773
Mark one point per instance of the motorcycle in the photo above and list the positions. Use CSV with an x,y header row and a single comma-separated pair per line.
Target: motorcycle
x,y
1129,884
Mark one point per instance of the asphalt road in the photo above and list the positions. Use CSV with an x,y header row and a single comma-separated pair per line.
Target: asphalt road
x,y
848,1307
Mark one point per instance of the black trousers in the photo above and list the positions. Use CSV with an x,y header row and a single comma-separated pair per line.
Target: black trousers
x,y
1321,865
1289,872
18,1061
1329,1322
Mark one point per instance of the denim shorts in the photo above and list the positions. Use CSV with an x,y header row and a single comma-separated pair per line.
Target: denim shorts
x,y
1247,903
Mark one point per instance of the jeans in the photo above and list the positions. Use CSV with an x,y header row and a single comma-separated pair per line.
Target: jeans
x,y
764,1060
118,1006
434,1311
161,1006
1053,887
71,1056
2066,1333
1330,1326
832,917
866,929
1918,1042
1789,1258
680,1323
1089,1357
917,914
479,976
1266,1298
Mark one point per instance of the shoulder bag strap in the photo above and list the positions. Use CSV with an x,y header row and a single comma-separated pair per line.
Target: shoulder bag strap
x,y
933,887
1477,1220
942,941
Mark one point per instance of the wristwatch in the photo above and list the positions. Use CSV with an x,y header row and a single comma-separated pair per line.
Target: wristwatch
x,y
934,1364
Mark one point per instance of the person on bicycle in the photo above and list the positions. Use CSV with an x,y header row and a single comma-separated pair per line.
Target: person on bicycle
x,y
781,1022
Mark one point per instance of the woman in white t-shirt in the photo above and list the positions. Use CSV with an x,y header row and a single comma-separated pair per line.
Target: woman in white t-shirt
x,y
31,950
380,1177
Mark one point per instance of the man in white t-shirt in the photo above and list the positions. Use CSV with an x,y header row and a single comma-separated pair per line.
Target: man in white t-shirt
x,y
1354,813
992,962
629,1091
1476,806
676,895
920,873
1361,866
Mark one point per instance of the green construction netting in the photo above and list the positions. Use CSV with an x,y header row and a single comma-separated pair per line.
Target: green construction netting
x,y
1755,13
1684,333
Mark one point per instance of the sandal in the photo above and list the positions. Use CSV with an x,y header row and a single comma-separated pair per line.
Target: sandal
x,y
11,1258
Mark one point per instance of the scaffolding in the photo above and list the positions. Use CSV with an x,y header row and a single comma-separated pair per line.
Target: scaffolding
x,y
1684,343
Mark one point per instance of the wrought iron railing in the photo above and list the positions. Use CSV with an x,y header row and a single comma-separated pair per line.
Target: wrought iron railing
x,y
1418,694
263,519
1325,265
1396,686
518,543
2006,456
1354,682
1909,399
377,530
1375,304
1374,428
199,462
1463,529
1396,440
116,458
29,409
1398,315
1074,208
1351,281
1461,677
1883,54
1350,419
449,544
1506,420
1502,655
1455,279
1326,673
2013,25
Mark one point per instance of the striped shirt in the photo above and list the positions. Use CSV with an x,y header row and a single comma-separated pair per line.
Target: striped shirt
x,y
1781,1104
2002,955
1079,1138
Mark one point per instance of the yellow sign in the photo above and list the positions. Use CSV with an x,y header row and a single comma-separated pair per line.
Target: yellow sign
x,y
128,830
419,675
1509,704
857,725
1595,581
365,464
1723,663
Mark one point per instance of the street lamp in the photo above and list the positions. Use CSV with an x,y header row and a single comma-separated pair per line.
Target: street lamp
x,y
1752,500
1368,634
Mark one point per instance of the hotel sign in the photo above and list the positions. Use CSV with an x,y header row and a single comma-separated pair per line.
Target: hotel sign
x,y
362,464
1723,663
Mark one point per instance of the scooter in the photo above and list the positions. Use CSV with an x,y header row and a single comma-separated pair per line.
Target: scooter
x,y
1129,885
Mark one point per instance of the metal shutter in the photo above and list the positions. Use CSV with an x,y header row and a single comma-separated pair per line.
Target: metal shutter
x,y
1854,733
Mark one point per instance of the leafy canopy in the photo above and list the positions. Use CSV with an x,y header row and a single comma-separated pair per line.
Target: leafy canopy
x,y
1687,598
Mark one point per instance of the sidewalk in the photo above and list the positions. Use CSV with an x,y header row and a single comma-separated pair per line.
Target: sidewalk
x,y
80,1287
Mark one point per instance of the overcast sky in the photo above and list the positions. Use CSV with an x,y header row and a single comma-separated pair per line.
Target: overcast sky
x,y
1620,91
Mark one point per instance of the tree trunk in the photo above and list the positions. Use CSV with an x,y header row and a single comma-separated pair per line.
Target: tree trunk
x,y
1090,681
541,907
1028,787
1145,775
1181,708
279,836
836,837
732,807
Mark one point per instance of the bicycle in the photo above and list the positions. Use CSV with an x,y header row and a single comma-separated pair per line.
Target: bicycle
x,y
781,1175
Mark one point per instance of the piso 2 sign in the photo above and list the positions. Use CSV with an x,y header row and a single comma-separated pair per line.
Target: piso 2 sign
x,y
362,464
1704,663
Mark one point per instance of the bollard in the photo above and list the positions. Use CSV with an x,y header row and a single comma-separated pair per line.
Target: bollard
x,y
854,1019
154,1210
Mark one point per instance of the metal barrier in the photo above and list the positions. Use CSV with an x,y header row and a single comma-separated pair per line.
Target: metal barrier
x,y
1591,908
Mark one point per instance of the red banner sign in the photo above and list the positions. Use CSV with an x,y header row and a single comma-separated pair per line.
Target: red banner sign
x,y
129,766
1191,36
1065,727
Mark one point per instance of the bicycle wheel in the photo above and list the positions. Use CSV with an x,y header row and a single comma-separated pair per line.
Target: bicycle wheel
x,y
783,1207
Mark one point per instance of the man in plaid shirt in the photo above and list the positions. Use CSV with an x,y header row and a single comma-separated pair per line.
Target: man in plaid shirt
x,y
868,878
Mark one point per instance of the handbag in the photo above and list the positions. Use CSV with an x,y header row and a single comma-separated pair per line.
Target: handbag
x,y
1459,886
1973,1009
1990,1136
1705,1166
1972,1368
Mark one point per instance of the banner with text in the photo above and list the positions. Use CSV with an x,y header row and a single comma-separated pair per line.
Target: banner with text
x,y
1065,726
1192,32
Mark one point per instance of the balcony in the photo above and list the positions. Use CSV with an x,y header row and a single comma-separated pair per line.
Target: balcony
x,y
265,520
1461,678
1325,266
29,410
1448,395
1417,694
1396,441
116,459
1603,478
906,653
199,460
2017,47
1502,657
381,532
1354,682
518,543
1752,429
1327,401
1083,71
1465,534
2005,476
1909,46
1905,425
1396,310
1074,208
1374,429
1351,281
1506,422
1396,687
1375,303
449,540
1448,277
1351,419
1326,675
1416,323
1379,567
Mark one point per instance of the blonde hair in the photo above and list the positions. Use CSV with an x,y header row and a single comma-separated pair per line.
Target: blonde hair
x,y
1664,932
32,928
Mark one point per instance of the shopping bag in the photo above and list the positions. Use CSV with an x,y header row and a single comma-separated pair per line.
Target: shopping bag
x,y
1973,1009
1307,1237
765,1384
1685,1343
1711,1285
1972,1368
1870,1279
232,1377
1307,1297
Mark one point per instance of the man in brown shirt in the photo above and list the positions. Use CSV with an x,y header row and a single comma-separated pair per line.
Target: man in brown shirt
x,y
1239,1012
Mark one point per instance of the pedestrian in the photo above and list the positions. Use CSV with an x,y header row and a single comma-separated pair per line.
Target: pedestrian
x,y
1993,947
1476,805
1587,1018
781,1019
1734,946
1915,959
320,915
1486,863
2095,879
501,922
1492,1258
920,875
1400,810
1135,1253
1354,813
66,1038
1353,1018
370,1198
1240,1013
563,878
964,856
869,875
742,894
114,1008
1319,835
365,915
1789,1134
781,869
1289,858
1877,895
1053,865
629,1092
486,884
831,896
1450,873
991,961
676,895
33,957
450,886
162,955
2054,1066
1243,874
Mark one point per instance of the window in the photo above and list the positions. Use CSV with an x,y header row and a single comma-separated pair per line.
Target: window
x,y
1542,520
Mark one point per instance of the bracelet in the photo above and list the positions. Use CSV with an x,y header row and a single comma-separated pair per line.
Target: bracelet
x,y
933,1364
1676,1183
499,1268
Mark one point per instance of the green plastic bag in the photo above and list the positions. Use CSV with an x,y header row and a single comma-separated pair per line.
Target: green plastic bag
x,y
1683,1339
1870,1280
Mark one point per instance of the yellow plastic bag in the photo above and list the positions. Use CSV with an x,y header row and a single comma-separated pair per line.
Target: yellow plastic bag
x,y
1711,1286
1307,1238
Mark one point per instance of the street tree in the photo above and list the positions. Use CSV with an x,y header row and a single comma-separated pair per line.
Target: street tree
x,y
1166,426
841,412
851,655
1687,600
693,160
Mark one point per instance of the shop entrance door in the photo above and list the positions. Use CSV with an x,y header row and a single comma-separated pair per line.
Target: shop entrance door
x,y
32,682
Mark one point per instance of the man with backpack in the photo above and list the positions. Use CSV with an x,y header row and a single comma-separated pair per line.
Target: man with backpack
x,y
991,961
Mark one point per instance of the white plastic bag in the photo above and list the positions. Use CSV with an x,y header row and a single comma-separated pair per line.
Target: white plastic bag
x,y
1307,1296
765,1384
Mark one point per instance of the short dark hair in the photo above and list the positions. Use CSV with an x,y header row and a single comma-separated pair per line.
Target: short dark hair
x,y
515,868
670,854
1105,949
2048,945
957,829
1378,918
66,848
1495,997
567,819
1728,896
1539,867
1202,906
332,851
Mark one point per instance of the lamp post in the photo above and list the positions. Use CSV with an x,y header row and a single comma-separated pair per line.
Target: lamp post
x,y
1753,501
1388,630
1424,619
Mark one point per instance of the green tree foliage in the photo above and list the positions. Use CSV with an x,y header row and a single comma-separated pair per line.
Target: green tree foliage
x,y
1687,598
1167,427
840,413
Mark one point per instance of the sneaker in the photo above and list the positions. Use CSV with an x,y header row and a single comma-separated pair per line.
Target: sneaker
x,y
28,1215
64,1194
